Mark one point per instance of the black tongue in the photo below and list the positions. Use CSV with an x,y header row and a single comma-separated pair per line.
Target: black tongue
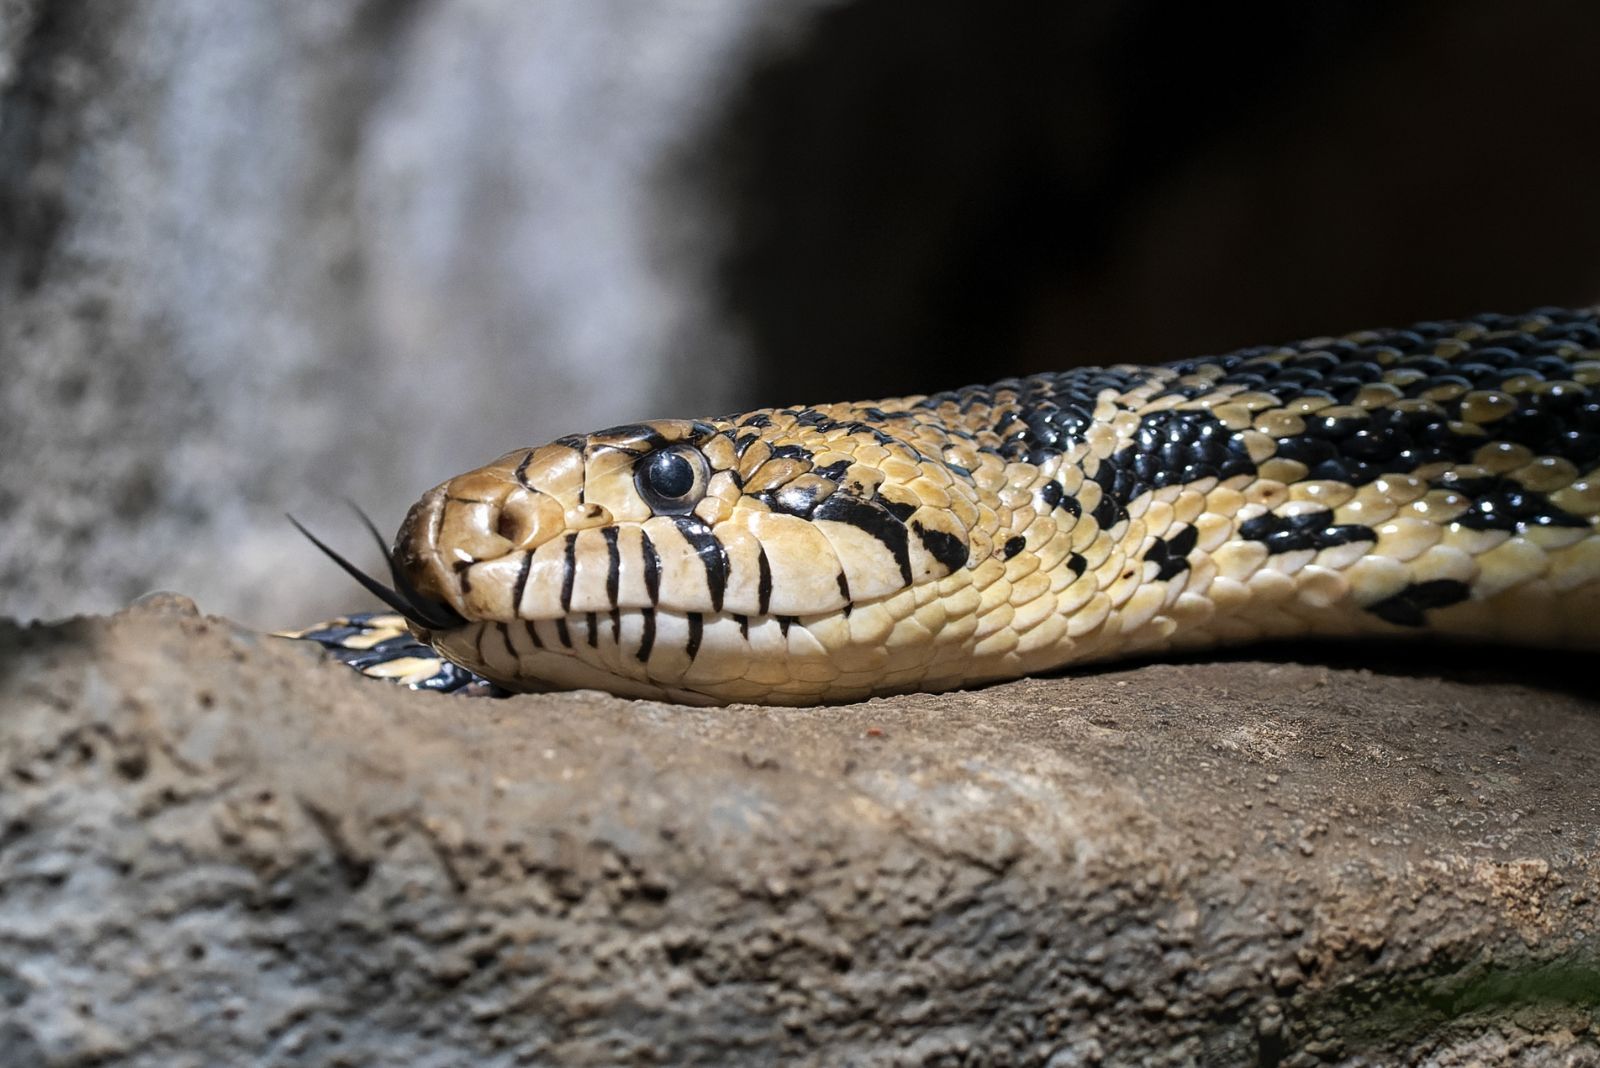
x,y
437,615
406,601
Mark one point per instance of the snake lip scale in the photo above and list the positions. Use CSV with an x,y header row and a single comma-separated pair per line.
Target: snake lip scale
x,y
1440,479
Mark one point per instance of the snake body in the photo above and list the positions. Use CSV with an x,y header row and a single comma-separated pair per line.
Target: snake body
x,y
1439,479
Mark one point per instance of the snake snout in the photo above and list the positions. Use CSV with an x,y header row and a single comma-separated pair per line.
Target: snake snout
x,y
457,539
483,516
416,555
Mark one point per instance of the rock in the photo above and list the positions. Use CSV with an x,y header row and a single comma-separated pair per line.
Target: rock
x,y
217,847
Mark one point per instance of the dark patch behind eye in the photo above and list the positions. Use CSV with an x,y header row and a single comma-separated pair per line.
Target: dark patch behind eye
x,y
946,548
874,521
901,510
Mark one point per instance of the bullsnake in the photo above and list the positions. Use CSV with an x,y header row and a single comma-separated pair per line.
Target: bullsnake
x,y
1442,479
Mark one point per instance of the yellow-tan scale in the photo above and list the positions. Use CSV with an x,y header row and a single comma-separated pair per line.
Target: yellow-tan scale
x,y
1536,586
839,622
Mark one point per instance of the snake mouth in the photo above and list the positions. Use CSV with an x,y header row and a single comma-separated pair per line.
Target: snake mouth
x,y
424,613
685,657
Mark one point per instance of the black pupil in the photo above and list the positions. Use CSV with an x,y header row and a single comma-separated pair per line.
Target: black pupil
x,y
671,475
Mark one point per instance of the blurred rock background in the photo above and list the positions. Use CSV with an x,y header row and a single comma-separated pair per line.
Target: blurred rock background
x,y
256,257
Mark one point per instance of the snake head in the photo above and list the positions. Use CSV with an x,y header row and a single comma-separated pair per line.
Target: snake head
x,y
775,554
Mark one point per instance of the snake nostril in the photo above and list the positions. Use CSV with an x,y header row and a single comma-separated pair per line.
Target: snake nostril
x,y
508,527
528,519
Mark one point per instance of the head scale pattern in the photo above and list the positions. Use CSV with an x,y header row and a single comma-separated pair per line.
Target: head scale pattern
x,y
679,558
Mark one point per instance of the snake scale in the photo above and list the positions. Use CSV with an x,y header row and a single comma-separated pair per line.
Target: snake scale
x,y
1442,479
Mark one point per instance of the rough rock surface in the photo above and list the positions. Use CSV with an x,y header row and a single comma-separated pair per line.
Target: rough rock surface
x,y
215,847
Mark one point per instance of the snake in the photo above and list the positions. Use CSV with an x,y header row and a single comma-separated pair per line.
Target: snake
x,y
1439,480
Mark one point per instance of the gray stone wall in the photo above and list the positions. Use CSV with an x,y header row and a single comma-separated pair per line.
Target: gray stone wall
x,y
263,256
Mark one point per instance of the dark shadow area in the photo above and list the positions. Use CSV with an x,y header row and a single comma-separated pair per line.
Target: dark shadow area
x,y
1474,663
920,200
22,644
1403,1009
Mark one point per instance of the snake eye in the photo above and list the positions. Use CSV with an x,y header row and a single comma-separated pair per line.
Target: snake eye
x,y
672,480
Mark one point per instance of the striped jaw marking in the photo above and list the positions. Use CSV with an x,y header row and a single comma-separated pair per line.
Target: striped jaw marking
x,y
703,561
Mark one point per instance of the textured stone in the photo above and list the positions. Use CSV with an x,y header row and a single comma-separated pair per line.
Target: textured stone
x,y
258,257
215,847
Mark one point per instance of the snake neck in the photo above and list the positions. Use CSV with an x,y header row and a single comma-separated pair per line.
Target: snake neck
x,y
1436,480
